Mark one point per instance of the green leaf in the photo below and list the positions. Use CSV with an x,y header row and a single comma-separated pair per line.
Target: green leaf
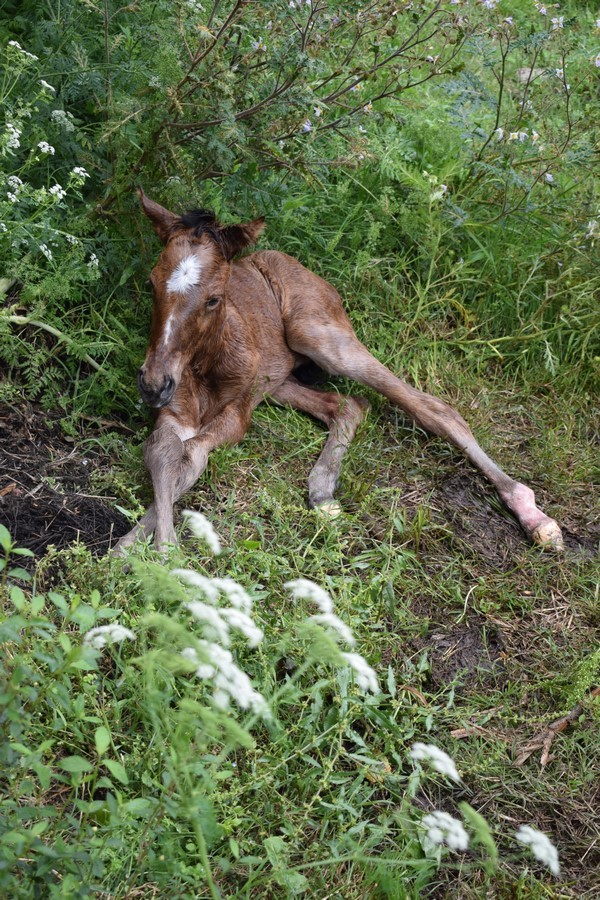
x,y
5,539
102,739
482,834
22,551
17,598
117,770
75,764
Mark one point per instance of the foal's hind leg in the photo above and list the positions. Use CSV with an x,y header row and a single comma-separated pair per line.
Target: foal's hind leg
x,y
336,349
342,415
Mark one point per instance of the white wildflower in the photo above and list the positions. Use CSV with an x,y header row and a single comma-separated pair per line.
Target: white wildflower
x,y
557,22
14,133
439,759
509,20
303,589
541,846
368,108
203,670
46,251
14,182
243,623
362,130
72,239
592,227
499,132
363,673
235,593
330,620
47,86
204,584
45,147
107,634
259,45
549,177
597,61
306,126
93,261
217,629
534,137
490,4
80,171
356,87
231,683
3,228
442,828
18,47
12,197
541,9
560,73
318,111
202,528
57,191
62,118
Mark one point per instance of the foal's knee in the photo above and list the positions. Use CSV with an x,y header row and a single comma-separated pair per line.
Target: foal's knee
x,y
163,450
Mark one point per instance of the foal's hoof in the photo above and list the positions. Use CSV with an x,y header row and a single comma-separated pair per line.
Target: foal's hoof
x,y
329,509
548,535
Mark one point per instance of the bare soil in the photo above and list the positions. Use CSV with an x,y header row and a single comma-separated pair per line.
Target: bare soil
x,y
45,486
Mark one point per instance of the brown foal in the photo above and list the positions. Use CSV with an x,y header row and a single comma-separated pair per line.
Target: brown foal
x,y
227,333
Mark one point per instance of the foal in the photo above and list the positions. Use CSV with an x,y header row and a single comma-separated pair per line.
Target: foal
x,y
226,334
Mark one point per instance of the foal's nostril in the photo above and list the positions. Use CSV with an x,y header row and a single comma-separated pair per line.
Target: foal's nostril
x,y
167,387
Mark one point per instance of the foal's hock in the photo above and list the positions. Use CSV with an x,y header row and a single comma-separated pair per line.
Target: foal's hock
x,y
227,333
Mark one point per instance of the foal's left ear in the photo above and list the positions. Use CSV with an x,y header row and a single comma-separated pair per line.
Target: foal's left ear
x,y
162,220
234,238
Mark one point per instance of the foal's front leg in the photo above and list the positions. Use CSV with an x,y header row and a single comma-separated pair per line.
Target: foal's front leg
x,y
175,465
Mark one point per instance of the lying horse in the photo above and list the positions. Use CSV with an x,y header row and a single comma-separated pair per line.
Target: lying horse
x,y
227,333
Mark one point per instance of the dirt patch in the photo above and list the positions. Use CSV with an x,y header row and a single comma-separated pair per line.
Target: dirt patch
x,y
470,651
45,495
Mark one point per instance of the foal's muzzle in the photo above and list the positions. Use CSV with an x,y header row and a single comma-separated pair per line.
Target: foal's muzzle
x,y
153,397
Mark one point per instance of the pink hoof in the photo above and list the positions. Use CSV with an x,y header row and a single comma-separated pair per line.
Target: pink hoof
x,y
548,535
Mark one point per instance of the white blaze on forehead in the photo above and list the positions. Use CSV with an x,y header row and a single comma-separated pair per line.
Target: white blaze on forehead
x,y
185,275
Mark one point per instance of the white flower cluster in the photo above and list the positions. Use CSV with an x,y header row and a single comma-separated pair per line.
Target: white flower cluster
x,y
80,172
47,148
25,53
57,191
230,682
13,134
93,262
439,759
303,589
46,251
47,87
62,118
442,828
203,529
217,620
107,634
541,846
214,662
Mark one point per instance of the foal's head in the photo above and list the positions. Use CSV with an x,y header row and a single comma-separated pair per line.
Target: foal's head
x,y
189,283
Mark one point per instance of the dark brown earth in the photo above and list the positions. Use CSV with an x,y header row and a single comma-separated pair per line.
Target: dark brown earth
x,y
45,486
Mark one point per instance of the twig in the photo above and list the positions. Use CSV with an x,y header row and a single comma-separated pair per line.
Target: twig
x,y
544,740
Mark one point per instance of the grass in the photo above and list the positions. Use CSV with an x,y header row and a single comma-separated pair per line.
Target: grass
x,y
486,639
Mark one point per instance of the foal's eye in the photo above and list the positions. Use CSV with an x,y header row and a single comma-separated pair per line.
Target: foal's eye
x,y
212,302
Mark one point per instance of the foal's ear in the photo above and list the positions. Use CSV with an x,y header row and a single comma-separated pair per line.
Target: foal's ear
x,y
162,220
234,238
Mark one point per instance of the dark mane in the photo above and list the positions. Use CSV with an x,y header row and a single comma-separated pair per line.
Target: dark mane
x,y
199,221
